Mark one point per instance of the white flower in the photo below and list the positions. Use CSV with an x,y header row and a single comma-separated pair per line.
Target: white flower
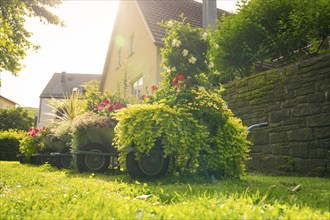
x,y
204,36
211,65
192,60
167,69
170,23
173,69
176,43
185,52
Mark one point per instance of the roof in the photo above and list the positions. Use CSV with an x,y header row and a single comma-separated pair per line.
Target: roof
x,y
154,12
2,97
63,83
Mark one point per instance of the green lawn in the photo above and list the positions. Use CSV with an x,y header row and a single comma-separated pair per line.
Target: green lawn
x,y
43,192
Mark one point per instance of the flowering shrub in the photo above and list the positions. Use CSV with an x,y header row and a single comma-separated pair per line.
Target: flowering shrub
x,y
107,107
85,128
31,142
148,97
184,55
187,115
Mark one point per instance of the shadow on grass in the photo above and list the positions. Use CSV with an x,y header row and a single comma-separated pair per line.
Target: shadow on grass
x,y
304,191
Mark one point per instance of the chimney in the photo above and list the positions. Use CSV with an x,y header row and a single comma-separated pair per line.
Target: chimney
x,y
63,76
209,13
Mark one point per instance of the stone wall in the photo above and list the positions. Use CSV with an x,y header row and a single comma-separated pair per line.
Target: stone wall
x,y
295,101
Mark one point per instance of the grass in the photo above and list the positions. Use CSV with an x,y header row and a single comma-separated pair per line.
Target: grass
x,y
43,192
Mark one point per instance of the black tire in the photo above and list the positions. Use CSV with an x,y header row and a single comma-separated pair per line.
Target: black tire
x,y
65,161
93,162
153,166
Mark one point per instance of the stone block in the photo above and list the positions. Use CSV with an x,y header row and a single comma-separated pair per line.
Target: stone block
x,y
281,149
300,149
318,153
325,143
302,134
259,137
311,98
318,120
305,90
280,115
311,167
323,84
321,132
262,163
306,109
278,137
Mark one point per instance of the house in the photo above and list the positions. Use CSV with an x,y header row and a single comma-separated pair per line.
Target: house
x,y
7,103
60,85
133,58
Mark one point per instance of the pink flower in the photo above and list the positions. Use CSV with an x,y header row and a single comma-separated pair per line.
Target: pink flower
x,y
106,101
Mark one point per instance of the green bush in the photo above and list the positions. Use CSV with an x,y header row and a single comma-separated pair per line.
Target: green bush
x,y
31,142
184,130
186,115
264,30
9,144
140,126
83,124
15,118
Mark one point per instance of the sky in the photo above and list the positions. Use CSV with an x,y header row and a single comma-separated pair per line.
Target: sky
x,y
79,47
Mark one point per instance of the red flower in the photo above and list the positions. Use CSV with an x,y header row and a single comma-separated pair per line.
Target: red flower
x,y
180,76
154,88
175,81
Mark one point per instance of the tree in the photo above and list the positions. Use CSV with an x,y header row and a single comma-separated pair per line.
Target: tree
x,y
264,30
15,118
14,38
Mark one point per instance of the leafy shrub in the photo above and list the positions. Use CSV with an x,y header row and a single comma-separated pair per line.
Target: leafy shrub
x,y
31,142
84,123
15,118
184,55
264,30
175,128
9,144
186,116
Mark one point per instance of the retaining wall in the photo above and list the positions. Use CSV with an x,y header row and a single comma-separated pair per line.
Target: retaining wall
x,y
295,101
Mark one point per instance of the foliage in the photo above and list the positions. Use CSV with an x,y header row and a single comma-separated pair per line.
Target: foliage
x,y
31,143
68,108
9,144
107,107
15,118
264,30
178,132
52,194
95,99
84,124
56,137
14,41
184,56
33,112
227,140
188,120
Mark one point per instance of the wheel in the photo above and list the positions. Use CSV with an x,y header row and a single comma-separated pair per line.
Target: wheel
x,y
152,166
65,161
93,161
45,157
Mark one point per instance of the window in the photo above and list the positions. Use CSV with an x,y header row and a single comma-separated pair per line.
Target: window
x,y
137,87
119,56
131,44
